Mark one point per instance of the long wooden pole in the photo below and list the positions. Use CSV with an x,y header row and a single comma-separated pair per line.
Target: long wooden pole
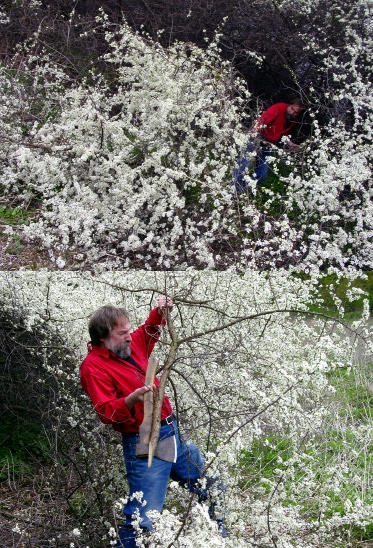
x,y
158,400
142,448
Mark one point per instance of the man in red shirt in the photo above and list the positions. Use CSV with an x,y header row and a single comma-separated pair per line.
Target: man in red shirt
x,y
113,375
275,122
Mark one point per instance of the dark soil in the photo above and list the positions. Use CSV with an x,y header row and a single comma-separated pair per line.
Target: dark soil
x,y
16,253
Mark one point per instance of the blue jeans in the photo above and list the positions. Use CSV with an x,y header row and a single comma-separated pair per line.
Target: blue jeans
x,y
245,163
187,470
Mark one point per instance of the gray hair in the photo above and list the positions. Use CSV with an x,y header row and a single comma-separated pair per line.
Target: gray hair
x,y
103,320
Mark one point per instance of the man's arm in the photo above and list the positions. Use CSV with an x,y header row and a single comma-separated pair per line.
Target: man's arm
x,y
138,395
147,334
266,118
293,147
109,408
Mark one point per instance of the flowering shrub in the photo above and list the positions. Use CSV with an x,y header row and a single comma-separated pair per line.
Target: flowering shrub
x,y
136,175
132,166
254,384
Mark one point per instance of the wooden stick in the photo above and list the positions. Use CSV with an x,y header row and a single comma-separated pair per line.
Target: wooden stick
x,y
158,400
142,448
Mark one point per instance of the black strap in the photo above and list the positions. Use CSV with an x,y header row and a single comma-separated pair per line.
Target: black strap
x,y
131,361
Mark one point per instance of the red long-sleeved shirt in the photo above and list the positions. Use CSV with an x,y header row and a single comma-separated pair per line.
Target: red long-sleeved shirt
x,y
108,379
272,124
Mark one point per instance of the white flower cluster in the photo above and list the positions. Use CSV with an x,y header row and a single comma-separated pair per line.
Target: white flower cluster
x,y
134,176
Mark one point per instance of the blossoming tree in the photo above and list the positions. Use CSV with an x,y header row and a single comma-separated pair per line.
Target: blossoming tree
x,y
253,380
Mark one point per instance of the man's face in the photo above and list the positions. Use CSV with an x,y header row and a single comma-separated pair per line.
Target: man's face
x,y
119,340
294,110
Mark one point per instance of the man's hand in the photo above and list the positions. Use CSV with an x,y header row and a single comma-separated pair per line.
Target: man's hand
x,y
293,147
138,395
164,303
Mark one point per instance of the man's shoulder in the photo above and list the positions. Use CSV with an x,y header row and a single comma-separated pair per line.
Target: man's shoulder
x,y
94,359
280,107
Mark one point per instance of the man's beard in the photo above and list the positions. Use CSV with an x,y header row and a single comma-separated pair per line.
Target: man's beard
x,y
290,117
123,351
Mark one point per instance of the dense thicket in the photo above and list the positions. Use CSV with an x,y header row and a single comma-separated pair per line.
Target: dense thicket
x,y
277,31
124,141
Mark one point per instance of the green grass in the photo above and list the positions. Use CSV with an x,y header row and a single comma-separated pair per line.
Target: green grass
x,y
351,406
78,504
330,286
271,192
356,397
22,445
192,195
14,215
15,245
261,461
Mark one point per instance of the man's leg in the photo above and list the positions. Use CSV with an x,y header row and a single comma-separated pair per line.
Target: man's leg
x,y
189,469
190,464
152,482
242,168
262,168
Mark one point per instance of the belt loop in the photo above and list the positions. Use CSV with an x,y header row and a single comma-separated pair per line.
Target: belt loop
x,y
168,420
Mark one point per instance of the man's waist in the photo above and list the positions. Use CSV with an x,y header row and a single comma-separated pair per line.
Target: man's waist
x,y
265,140
167,420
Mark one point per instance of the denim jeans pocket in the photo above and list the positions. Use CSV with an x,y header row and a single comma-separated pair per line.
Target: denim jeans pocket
x,y
167,431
